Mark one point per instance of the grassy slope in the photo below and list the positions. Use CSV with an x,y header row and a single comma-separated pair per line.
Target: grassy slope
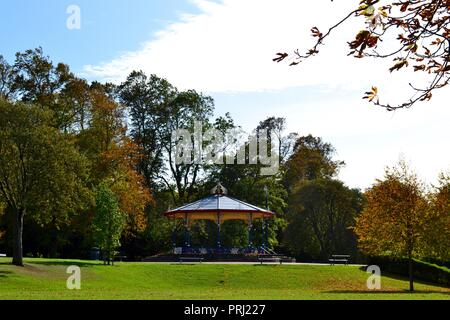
x,y
46,279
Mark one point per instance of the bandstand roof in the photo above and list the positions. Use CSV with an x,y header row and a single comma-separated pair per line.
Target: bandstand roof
x,y
220,206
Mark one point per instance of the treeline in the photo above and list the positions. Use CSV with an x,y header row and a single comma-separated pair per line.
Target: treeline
x,y
76,156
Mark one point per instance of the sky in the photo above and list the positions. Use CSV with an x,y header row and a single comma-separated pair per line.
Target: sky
x,y
224,48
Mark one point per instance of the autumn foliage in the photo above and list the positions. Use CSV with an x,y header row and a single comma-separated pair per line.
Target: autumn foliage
x,y
401,219
420,30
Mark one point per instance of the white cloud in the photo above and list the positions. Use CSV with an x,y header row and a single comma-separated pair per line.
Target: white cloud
x,y
229,47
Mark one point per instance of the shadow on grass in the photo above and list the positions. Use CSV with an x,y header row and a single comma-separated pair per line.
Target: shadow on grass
x,y
67,263
55,263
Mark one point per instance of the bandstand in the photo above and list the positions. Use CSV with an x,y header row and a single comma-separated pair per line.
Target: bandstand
x,y
219,207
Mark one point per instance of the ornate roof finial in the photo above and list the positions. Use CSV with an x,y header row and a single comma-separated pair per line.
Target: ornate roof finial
x,y
219,189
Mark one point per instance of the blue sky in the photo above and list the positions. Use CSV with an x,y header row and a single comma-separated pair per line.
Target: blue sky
x,y
225,49
107,27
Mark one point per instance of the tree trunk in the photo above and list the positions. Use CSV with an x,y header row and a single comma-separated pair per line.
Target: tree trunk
x,y
54,238
108,253
18,232
411,276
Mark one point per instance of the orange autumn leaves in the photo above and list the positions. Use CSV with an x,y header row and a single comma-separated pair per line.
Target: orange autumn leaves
x,y
127,184
402,219
115,158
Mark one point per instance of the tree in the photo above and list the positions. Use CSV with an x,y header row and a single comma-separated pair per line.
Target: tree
x,y
393,221
108,222
422,32
311,159
244,181
77,99
41,172
114,157
276,126
157,110
2,209
6,79
320,215
144,98
34,78
437,229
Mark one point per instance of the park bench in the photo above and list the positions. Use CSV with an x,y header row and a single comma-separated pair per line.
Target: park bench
x,y
270,260
191,259
339,258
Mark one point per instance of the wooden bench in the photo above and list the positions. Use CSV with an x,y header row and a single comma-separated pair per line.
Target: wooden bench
x,y
191,259
270,259
337,258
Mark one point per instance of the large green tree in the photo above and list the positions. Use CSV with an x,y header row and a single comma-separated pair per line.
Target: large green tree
x,y
311,158
41,172
320,215
145,97
157,110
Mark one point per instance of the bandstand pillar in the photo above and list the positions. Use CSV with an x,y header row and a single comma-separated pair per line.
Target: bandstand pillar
x,y
250,226
218,231
174,235
187,236
264,229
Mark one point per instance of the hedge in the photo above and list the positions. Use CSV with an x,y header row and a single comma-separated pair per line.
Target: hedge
x,y
422,270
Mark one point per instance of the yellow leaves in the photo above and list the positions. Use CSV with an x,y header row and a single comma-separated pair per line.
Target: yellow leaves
x,y
369,11
371,95
412,47
383,12
366,9
402,63
133,198
394,216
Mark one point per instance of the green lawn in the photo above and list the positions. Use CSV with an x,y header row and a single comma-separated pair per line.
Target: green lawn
x,y
46,279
